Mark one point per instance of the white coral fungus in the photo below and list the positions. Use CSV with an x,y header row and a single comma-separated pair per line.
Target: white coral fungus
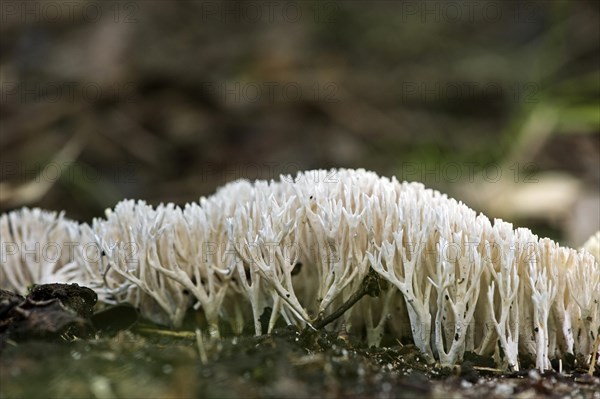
x,y
452,280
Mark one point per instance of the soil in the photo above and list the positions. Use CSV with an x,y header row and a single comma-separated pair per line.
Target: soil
x,y
126,358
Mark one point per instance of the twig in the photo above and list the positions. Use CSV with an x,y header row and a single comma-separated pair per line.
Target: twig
x,y
168,333
369,286
481,368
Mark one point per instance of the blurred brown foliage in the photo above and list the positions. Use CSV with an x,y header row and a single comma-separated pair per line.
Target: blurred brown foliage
x,y
166,100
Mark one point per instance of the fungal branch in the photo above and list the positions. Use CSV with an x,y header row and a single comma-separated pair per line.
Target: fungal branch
x,y
458,285
312,248
37,247
392,263
263,235
136,239
583,280
502,296
543,293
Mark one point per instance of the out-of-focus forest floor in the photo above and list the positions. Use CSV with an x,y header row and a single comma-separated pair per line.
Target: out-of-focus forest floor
x,y
150,363
53,344
166,101
496,104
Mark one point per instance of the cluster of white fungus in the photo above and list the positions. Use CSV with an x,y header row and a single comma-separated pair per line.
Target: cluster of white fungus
x,y
450,279
37,247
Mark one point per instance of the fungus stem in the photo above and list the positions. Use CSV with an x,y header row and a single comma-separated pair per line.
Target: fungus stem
x,y
594,355
201,347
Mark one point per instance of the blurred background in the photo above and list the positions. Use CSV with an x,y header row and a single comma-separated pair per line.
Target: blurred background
x,y
495,103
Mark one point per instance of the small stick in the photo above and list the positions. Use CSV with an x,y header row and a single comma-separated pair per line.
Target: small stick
x,y
342,309
369,286
168,333
481,368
